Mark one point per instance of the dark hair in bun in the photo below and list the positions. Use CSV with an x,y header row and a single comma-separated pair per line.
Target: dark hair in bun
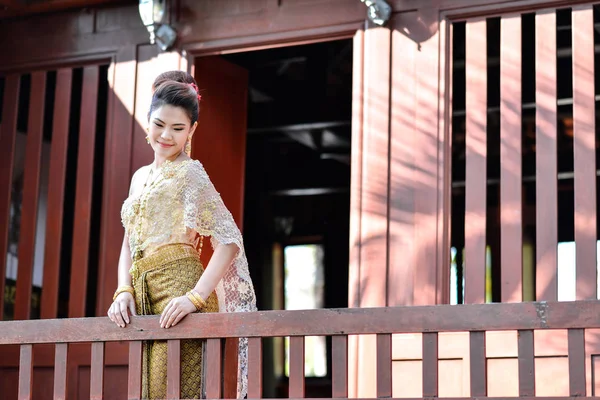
x,y
177,89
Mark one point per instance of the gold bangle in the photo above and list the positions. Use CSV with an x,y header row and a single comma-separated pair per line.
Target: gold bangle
x,y
196,299
124,288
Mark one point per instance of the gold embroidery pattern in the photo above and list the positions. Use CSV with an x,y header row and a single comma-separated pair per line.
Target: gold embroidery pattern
x,y
168,273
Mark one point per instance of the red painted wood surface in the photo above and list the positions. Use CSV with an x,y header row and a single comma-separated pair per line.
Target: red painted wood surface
x,y
134,387
430,364
8,133
339,366
220,145
584,143
97,372
577,383
546,157
511,208
117,157
364,321
60,371
255,362
213,365
56,189
384,365
31,185
478,364
476,176
526,363
174,369
297,384
83,193
26,372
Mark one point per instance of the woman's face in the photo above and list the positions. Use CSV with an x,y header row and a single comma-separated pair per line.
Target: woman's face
x,y
169,130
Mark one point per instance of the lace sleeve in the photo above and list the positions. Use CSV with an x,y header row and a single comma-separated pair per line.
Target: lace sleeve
x,y
205,212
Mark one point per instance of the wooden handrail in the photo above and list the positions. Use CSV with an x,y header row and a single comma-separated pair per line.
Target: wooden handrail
x,y
325,322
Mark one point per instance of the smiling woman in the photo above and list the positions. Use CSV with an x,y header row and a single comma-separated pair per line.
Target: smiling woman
x,y
172,205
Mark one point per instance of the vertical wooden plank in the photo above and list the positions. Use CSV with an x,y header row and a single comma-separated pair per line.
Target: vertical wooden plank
x,y
511,214
117,169
31,184
526,363
213,368
255,368
296,388
546,158
173,369
339,366
134,379
97,372
430,364
60,371
83,192
426,165
56,189
355,199
8,134
230,367
384,365
374,222
374,225
476,165
584,143
445,160
26,372
577,381
478,364
402,246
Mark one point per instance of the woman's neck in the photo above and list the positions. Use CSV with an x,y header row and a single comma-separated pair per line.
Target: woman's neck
x,y
159,161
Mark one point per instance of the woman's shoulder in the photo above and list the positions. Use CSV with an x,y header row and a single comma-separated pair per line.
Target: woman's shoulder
x,y
191,170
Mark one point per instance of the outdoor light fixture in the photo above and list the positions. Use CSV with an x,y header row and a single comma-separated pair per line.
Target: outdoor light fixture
x,y
378,11
152,13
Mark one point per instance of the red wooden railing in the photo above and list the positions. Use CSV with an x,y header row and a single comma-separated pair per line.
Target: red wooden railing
x,y
526,318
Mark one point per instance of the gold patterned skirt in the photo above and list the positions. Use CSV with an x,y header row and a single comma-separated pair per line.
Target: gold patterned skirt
x,y
169,272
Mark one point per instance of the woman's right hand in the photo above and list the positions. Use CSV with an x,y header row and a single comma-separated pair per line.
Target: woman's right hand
x,y
120,308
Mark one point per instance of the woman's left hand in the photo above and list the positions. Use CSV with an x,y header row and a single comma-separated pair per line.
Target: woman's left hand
x,y
174,312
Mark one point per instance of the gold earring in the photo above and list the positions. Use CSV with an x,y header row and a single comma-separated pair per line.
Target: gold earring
x,y
188,147
147,139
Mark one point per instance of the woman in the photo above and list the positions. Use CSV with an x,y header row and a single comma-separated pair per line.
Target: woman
x,y
172,205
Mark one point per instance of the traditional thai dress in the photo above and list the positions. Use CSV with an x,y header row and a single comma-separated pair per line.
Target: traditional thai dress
x,y
165,223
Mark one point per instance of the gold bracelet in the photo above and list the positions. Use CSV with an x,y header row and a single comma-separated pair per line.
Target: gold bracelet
x,y
196,299
124,288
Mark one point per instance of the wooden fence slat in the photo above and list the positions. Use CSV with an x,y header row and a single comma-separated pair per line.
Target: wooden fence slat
x,y
511,215
546,157
296,388
60,371
26,372
97,372
476,164
577,384
213,368
255,368
173,369
83,194
584,144
56,189
8,135
430,364
134,379
230,367
526,363
384,365
339,366
478,364
31,184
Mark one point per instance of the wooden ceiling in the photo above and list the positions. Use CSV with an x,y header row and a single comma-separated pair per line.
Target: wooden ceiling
x,y
20,8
